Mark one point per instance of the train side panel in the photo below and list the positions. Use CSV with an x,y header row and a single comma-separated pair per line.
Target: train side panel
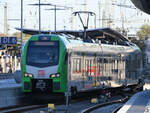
x,y
106,66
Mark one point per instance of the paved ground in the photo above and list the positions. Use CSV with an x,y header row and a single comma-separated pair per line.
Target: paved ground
x,y
9,89
8,83
138,103
10,92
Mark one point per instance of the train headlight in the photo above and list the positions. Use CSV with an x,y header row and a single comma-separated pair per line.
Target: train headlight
x,y
28,75
55,75
52,75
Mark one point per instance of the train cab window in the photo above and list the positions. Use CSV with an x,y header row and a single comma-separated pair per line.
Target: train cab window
x,y
43,53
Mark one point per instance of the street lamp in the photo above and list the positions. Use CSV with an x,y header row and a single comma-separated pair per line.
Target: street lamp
x,y
21,33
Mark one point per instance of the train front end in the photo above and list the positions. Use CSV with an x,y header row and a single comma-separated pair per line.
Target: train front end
x,y
42,61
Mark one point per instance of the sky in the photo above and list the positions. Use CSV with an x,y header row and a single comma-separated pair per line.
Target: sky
x,y
121,17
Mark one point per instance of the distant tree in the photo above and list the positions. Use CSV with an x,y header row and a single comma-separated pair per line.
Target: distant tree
x,y
1,35
17,34
144,31
139,43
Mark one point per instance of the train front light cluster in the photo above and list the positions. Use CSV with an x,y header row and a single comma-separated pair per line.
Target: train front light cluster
x,y
28,75
55,75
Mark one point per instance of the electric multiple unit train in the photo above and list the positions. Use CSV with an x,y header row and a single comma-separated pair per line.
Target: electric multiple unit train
x,y
57,63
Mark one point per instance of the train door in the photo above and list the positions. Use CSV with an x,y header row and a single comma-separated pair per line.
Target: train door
x,y
99,70
87,74
121,69
108,76
91,73
115,78
75,71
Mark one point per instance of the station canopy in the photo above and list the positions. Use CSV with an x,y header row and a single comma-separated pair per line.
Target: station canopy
x,y
91,33
143,5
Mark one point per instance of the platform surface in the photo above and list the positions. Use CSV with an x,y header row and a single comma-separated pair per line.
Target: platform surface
x,y
8,83
138,103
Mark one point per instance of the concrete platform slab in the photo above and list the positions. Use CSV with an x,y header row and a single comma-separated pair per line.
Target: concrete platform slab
x,y
138,103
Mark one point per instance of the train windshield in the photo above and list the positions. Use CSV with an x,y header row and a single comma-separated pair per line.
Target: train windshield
x,y
43,54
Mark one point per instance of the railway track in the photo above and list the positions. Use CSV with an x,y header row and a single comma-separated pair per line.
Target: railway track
x,y
98,106
33,106
117,109
61,101
20,108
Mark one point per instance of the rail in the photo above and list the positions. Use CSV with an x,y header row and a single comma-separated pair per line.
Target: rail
x,y
117,109
104,104
20,108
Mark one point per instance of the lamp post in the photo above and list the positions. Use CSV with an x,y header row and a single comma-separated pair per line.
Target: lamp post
x,y
39,17
21,23
21,34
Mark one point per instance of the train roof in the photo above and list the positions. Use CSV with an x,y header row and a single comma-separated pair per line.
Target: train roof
x,y
80,45
90,48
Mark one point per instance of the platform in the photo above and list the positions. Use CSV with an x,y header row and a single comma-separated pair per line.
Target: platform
x,y
138,103
8,83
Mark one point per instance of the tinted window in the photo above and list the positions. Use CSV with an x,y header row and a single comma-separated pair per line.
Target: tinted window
x,y
43,54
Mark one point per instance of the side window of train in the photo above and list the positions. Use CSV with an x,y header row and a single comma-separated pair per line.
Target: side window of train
x,y
100,60
86,66
99,70
77,65
74,65
90,67
105,60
